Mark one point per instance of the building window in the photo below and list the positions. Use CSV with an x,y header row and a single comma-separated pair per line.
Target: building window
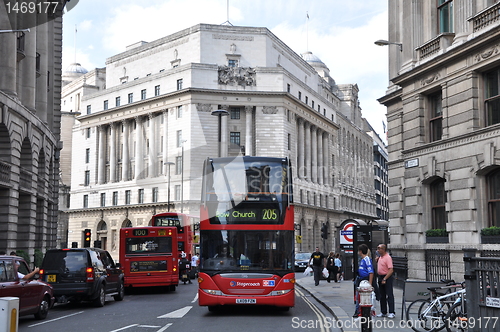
x,y
288,88
438,201
300,95
232,63
289,142
234,138
140,198
445,14
307,100
492,98
319,108
493,183
103,199
157,90
143,94
87,156
85,201
88,132
117,101
178,165
105,106
179,138
435,116
128,194
87,178
155,194
115,197
179,84
312,103
235,113
177,192
179,111
130,98
89,109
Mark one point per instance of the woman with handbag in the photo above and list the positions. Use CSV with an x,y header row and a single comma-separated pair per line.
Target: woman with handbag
x,y
330,266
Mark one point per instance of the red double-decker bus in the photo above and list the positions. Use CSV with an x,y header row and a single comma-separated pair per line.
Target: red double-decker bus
x,y
149,256
184,229
246,233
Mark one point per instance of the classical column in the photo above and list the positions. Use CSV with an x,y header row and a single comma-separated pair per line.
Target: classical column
x,y
314,154
8,56
41,81
307,148
112,154
224,134
27,67
165,141
321,165
152,146
139,158
300,145
462,11
326,161
101,161
126,154
249,130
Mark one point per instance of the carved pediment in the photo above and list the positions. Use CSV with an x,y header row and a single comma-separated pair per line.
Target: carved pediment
x,y
244,76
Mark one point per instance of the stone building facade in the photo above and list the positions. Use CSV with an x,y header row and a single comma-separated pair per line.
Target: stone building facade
x,y
444,131
30,116
156,108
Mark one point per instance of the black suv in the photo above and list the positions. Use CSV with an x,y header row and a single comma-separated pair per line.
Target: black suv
x,y
87,274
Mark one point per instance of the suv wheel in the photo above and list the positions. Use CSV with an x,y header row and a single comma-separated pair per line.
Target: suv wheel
x,y
121,292
43,309
100,300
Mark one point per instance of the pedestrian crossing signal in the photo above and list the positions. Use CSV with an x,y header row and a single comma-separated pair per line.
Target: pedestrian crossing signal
x,y
298,238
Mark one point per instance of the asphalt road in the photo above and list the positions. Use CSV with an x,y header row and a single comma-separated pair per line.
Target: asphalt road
x,y
158,310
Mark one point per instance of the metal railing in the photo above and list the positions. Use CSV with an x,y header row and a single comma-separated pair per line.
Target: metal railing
x,y
437,265
482,280
4,172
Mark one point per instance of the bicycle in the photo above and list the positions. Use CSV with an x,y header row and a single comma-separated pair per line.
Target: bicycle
x,y
456,318
426,315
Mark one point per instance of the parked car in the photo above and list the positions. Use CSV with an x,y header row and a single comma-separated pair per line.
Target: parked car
x,y
302,260
35,296
82,274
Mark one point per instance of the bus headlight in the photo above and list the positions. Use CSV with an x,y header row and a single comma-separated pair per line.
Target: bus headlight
x,y
280,292
212,291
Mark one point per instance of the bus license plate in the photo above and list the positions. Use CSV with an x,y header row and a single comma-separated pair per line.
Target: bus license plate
x,y
51,278
246,301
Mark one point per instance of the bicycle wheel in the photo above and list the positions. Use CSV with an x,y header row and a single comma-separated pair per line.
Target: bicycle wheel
x,y
413,315
456,318
423,315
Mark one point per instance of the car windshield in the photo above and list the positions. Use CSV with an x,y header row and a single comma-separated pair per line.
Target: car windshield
x,y
302,256
65,261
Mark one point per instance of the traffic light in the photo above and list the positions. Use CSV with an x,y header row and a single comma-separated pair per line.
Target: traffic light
x,y
324,232
86,238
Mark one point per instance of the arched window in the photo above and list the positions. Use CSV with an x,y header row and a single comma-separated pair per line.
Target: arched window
x,y
438,201
493,183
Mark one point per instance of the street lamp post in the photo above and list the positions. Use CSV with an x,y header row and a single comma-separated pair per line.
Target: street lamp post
x,y
220,114
168,163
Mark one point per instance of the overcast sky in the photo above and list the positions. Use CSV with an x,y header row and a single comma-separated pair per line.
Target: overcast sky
x,y
340,32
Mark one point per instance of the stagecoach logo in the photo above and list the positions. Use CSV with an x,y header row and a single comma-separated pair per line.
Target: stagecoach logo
x,y
244,284
268,283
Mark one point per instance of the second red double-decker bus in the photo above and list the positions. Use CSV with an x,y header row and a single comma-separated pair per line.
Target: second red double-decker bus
x,y
184,229
149,256
246,233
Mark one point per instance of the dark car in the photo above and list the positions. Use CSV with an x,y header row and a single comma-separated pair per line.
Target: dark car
x,y
82,274
302,260
35,296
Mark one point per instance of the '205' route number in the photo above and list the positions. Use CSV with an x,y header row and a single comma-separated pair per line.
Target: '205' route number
x,y
269,214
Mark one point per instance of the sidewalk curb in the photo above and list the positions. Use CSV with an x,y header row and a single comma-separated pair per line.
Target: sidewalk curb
x,y
336,311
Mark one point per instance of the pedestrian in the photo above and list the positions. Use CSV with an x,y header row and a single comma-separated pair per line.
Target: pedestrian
x,y
194,263
338,268
365,272
330,266
318,263
385,279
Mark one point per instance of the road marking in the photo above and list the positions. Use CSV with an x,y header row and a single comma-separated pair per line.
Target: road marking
x,y
319,314
177,313
124,328
149,326
195,298
164,328
53,320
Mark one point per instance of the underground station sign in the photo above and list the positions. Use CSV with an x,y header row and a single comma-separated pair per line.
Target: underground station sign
x,y
347,237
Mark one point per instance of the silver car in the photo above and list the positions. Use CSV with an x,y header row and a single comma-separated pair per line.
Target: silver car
x,y
302,260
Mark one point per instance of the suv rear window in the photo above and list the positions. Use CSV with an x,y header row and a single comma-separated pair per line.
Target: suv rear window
x,y
67,261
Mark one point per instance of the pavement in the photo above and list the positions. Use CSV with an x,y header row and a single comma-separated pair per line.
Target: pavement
x,y
338,299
